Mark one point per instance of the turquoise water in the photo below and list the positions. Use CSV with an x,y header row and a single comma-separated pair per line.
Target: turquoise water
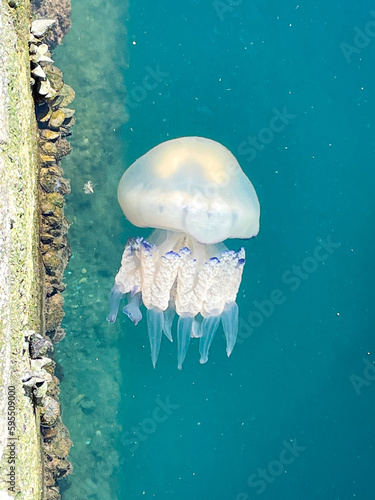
x,y
290,414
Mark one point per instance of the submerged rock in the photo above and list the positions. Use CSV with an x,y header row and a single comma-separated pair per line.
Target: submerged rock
x,y
51,182
63,148
39,345
49,412
54,311
57,335
65,97
49,135
47,160
55,76
49,148
87,405
68,112
55,9
51,261
57,119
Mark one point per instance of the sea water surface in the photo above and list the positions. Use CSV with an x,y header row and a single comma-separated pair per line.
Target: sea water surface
x,y
288,87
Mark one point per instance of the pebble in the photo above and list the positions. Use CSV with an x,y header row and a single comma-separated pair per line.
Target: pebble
x,y
43,87
39,345
40,27
49,135
49,412
38,72
57,119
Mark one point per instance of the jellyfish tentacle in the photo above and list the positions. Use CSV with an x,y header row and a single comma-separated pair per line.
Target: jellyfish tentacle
x,y
132,310
196,329
169,315
209,327
114,303
155,325
184,327
229,320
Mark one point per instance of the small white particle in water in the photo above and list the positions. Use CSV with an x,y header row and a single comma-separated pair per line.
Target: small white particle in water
x,y
276,171
352,249
337,314
290,25
198,423
134,42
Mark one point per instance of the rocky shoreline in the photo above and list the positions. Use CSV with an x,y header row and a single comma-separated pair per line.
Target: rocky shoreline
x,y
55,120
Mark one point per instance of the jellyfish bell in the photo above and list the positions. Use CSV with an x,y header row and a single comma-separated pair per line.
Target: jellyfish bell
x,y
191,185
193,192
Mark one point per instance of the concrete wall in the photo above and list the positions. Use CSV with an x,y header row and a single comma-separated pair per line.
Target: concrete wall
x,y
21,289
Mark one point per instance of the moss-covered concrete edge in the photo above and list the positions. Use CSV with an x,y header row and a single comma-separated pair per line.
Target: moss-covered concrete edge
x,y
21,271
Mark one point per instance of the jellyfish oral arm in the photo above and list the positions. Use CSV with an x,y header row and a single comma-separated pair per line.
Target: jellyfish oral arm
x,y
201,290
132,309
114,303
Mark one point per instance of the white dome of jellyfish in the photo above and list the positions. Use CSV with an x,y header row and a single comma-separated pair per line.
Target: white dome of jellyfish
x,y
194,193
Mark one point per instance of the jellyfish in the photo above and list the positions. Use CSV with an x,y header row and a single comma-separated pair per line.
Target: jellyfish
x,y
194,194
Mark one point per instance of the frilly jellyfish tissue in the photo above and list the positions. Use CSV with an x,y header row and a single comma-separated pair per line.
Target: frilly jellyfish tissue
x,y
194,193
